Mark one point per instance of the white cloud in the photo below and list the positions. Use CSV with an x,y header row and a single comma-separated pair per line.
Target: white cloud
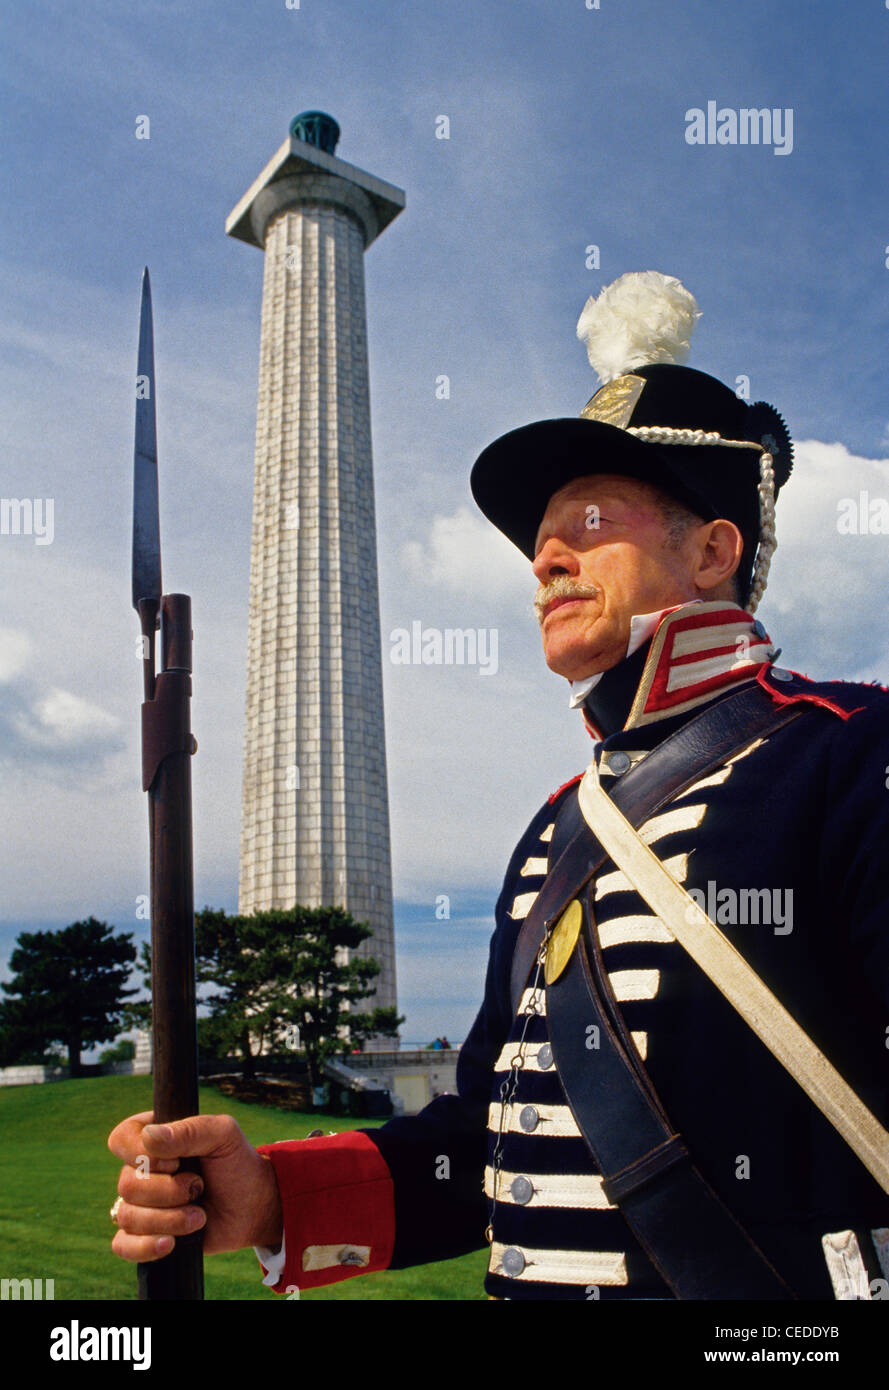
x,y
464,554
67,719
826,604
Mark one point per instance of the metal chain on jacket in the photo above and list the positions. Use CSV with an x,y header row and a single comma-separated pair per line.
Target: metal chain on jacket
x,y
510,1083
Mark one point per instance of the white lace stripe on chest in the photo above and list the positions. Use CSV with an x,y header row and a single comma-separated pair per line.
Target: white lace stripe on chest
x,y
539,1003
671,821
531,1061
530,1058
713,779
625,931
617,882
522,905
567,1190
607,1267
550,1121
634,984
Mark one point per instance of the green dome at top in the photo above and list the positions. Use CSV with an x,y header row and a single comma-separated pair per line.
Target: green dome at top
x,y
316,128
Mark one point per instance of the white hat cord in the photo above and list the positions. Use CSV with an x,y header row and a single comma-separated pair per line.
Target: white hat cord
x,y
768,541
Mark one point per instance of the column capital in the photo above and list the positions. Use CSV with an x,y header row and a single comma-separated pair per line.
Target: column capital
x,y
299,189
306,173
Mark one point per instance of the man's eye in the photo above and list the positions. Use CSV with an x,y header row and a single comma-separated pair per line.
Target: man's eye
x,y
591,519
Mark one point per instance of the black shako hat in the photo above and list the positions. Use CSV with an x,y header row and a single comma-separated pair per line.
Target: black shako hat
x,y
666,424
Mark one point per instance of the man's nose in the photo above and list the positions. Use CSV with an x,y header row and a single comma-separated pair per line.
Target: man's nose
x,y
553,558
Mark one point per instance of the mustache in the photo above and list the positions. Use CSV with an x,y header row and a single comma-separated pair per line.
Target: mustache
x,y
561,587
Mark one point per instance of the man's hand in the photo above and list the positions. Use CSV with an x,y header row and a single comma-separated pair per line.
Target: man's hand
x,y
241,1203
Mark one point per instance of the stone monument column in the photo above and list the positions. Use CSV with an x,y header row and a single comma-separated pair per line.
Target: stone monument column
x,y
315,812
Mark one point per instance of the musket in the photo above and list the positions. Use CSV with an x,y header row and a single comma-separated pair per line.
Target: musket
x,y
167,747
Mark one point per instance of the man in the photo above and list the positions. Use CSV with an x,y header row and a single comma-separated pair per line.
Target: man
x,y
649,522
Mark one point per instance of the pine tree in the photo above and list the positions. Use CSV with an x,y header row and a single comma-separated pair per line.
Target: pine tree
x,y
68,987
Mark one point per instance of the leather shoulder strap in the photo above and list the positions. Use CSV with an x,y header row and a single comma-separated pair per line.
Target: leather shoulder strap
x,y
700,746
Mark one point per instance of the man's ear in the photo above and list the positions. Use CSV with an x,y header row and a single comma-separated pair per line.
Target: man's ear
x,y
719,546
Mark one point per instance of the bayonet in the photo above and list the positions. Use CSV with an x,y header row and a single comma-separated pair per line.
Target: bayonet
x,y
146,519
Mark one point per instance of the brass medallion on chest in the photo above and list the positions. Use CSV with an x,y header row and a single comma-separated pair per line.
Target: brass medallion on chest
x,y
562,941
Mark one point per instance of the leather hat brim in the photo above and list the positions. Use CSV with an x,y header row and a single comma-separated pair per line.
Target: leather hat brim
x,y
514,478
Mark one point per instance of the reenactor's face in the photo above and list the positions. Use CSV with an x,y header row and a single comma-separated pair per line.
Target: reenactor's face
x,y
601,556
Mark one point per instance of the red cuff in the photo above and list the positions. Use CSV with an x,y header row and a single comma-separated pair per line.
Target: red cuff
x,y
339,1208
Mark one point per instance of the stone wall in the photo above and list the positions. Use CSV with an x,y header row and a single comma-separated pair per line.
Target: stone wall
x,y
411,1078
30,1076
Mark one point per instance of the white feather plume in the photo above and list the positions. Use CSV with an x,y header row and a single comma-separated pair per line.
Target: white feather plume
x,y
640,318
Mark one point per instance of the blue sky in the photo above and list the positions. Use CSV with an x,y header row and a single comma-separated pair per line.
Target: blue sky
x,y
567,129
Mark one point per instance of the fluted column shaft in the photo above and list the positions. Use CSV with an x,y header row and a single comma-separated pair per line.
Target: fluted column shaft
x,y
315,818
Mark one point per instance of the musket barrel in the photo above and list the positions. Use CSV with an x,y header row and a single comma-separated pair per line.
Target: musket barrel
x,y
180,1274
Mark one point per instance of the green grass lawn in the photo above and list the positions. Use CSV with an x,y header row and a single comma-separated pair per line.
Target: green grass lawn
x,y
58,1180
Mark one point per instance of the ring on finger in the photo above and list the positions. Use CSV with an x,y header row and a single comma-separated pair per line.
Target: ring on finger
x,y
113,1213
